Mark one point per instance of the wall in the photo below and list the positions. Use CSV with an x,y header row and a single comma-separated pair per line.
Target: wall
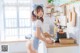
x,y
1,18
1,21
15,47
74,31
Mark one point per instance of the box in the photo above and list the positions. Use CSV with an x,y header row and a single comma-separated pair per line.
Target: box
x,y
66,41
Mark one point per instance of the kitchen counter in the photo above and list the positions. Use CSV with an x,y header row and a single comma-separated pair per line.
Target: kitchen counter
x,y
54,45
59,48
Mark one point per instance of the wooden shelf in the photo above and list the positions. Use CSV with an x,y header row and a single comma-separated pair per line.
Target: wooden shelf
x,y
52,12
48,13
50,7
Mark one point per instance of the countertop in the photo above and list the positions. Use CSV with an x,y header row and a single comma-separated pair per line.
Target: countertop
x,y
54,45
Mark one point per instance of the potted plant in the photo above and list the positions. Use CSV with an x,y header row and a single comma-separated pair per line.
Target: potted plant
x,y
50,1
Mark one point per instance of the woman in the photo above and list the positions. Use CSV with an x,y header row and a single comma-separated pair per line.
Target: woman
x,y
37,31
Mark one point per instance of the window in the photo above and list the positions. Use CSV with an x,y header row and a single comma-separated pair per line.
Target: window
x,y
17,22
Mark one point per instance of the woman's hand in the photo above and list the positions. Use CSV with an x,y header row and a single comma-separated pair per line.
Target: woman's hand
x,y
47,35
49,41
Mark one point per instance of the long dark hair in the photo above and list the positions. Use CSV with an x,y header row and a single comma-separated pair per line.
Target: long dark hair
x,y
33,16
38,8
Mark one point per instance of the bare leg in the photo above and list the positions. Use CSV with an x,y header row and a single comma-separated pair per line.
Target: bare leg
x,y
30,49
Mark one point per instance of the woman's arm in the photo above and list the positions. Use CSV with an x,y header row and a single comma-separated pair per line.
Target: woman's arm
x,y
38,34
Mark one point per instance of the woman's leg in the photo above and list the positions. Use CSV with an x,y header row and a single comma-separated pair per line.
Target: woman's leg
x,y
30,49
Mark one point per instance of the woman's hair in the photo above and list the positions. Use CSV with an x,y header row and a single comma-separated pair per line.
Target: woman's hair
x,y
38,8
33,16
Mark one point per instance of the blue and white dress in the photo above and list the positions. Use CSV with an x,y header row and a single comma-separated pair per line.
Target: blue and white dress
x,y
37,23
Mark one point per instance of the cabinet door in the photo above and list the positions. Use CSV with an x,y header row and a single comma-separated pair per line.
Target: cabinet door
x,y
42,48
74,49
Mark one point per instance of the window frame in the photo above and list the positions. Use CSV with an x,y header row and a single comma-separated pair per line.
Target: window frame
x,y
17,5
